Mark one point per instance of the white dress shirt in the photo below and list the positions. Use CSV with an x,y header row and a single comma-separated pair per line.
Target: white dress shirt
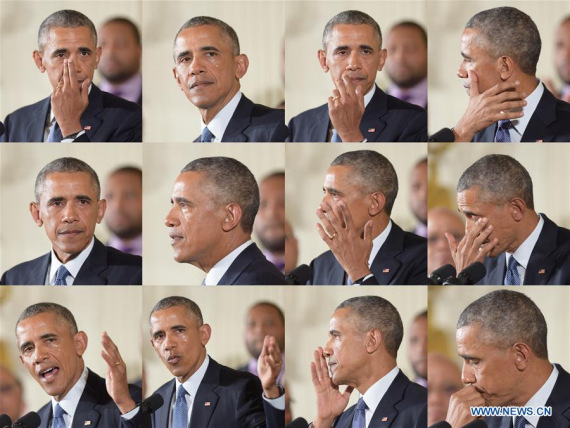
x,y
73,266
524,251
219,123
376,392
220,268
519,125
70,402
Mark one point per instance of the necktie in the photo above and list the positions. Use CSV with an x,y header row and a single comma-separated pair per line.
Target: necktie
x,y
512,276
61,275
335,137
206,136
55,135
58,421
520,422
359,418
180,414
502,135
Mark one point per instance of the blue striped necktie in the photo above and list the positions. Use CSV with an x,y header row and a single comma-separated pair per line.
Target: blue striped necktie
x,y
502,135
512,276
180,414
58,421
61,275
206,136
520,422
359,419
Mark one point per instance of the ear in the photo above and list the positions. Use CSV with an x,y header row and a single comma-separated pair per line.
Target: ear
x,y
242,64
35,211
377,203
506,67
518,208
80,342
373,340
101,208
382,60
521,355
205,333
232,217
98,56
39,60
322,56
177,78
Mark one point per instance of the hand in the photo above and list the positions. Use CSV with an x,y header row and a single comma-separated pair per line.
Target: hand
x,y
269,366
291,249
69,99
484,109
458,412
348,246
470,249
346,108
330,401
116,381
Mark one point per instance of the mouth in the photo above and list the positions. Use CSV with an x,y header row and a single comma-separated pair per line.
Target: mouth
x,y
173,359
71,233
49,374
200,85
174,238
356,80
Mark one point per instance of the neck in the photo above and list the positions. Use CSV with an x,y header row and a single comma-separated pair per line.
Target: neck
x,y
210,112
380,224
374,372
528,224
534,377
225,247
528,83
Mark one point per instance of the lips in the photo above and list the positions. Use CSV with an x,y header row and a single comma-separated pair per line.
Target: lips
x,y
174,238
173,359
71,232
200,85
48,374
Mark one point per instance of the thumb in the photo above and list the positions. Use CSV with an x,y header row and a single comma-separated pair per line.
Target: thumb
x,y
474,83
85,90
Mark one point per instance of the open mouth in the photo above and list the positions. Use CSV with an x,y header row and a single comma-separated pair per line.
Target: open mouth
x,y
49,374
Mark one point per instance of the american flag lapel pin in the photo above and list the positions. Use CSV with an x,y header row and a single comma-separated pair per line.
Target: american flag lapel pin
x,y
542,271
539,141
385,418
87,128
371,129
87,423
387,270
207,404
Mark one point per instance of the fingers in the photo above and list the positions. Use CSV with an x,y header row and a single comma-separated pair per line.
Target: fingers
x,y
327,227
317,372
65,74
345,215
452,242
360,97
110,351
72,78
348,390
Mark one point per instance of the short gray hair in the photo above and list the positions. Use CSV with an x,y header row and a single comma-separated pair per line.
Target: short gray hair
x,y
54,308
233,182
66,165
351,17
226,30
66,18
500,178
506,317
508,31
169,302
376,312
372,172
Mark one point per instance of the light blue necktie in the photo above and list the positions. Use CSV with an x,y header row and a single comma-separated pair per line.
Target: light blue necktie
x,y
55,135
502,135
180,414
512,276
335,137
206,136
520,422
359,418
58,421
60,276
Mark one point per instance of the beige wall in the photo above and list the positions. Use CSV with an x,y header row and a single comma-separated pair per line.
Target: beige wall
x,y
21,239
307,86
96,309
168,115
163,163
446,21
306,167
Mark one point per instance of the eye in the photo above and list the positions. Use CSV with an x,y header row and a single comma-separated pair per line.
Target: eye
x,y
158,336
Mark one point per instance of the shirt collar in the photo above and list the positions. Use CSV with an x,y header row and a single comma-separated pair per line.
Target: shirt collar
x,y
135,244
523,252
378,242
416,94
193,382
532,101
376,392
70,402
72,266
369,95
541,397
129,90
565,91
219,123
220,268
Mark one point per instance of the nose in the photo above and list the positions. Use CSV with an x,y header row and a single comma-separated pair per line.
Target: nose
x,y
467,375
39,355
171,220
327,349
169,342
353,61
69,213
196,66
462,71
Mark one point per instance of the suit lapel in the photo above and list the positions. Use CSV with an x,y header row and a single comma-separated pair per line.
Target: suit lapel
x,y
45,414
206,398
372,124
336,274
386,412
496,268
241,262
559,400
87,413
320,127
385,264
96,262
89,120
162,414
35,128
240,120
39,274
487,135
541,119
540,267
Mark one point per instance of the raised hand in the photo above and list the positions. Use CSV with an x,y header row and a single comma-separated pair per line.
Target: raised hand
x,y
116,380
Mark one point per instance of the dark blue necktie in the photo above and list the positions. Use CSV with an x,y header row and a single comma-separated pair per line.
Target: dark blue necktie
x,y
359,419
335,137
180,414
512,276
520,422
58,421
206,136
502,135
55,135
60,276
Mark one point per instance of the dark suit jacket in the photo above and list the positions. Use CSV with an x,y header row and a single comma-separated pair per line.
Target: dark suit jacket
x,y
402,260
549,122
559,400
95,406
235,401
549,263
252,268
110,118
386,118
255,123
103,266
403,406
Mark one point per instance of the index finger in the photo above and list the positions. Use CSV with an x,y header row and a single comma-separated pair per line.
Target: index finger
x,y
72,75
341,87
346,216
473,83
350,87
65,73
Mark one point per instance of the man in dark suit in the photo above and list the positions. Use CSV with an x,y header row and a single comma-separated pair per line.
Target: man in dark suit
x,y
68,206
76,111
214,203
502,340
220,396
366,246
208,69
517,245
364,337
52,348
358,110
507,103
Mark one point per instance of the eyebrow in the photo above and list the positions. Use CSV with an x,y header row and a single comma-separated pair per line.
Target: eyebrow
x,y
331,332
182,54
332,190
42,337
464,55
180,200
209,48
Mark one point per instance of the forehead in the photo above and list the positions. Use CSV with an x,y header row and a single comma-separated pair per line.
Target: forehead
x,y
338,175
188,183
61,37
194,38
40,324
444,220
344,320
469,197
117,29
68,183
274,186
473,41
125,178
352,35
175,315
